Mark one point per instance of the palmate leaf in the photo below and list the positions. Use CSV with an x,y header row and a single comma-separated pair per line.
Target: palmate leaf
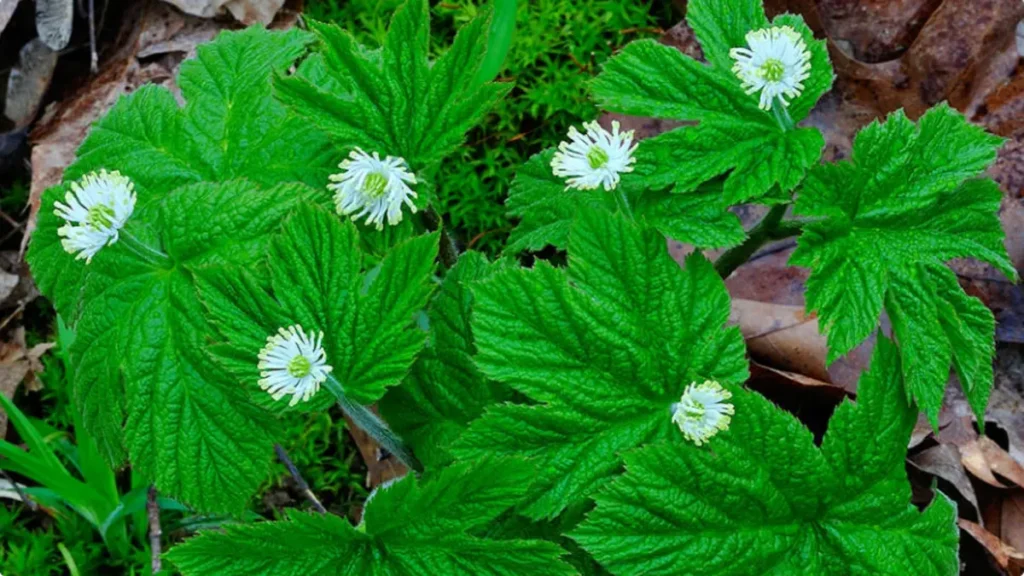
x,y
409,527
394,100
370,335
546,209
230,127
761,499
445,390
142,378
732,134
886,223
602,351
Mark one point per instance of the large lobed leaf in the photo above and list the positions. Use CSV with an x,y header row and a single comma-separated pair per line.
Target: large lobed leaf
x,y
230,128
886,222
143,380
546,209
316,271
602,351
207,181
445,391
394,100
761,499
409,528
732,134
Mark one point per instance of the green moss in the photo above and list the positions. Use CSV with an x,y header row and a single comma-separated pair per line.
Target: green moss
x,y
558,45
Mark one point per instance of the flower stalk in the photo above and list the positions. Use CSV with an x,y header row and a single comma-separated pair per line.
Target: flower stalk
x,y
370,423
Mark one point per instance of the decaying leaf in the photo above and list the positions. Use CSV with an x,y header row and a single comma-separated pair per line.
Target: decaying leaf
x,y
53,22
7,8
28,82
1002,552
245,11
18,363
944,461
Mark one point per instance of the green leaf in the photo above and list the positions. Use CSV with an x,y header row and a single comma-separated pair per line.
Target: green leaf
x,y
503,25
230,128
445,391
649,79
395,101
368,319
762,499
602,352
408,527
143,381
886,222
546,208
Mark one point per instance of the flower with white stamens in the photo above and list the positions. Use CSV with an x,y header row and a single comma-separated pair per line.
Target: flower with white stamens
x,y
776,62
95,209
293,363
371,187
594,158
703,411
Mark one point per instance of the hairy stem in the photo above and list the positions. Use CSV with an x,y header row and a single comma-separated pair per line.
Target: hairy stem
x,y
770,228
370,423
282,455
153,513
623,203
449,251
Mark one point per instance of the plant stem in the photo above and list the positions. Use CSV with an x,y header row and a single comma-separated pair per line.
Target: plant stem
x,y
370,423
623,203
771,227
781,114
153,513
282,455
449,251
144,251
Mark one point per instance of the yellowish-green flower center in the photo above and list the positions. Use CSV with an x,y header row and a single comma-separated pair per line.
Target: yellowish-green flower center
x,y
374,185
100,216
695,411
299,367
597,157
772,70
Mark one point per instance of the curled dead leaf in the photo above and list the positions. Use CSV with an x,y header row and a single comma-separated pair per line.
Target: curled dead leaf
x,y
1002,552
53,22
28,82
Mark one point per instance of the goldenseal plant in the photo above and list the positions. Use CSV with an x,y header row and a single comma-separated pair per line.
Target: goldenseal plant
x,y
272,247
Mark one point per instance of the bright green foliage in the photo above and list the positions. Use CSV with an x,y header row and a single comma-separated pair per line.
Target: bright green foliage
x,y
409,528
762,499
229,128
546,208
549,67
445,390
318,281
733,134
395,101
889,219
603,351
143,380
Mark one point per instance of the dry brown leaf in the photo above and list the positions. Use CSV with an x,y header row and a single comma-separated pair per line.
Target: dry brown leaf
x,y
1012,524
245,11
53,22
28,82
1000,551
944,461
18,363
984,458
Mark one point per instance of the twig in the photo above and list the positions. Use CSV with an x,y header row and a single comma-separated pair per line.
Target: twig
x,y
282,455
153,513
94,59
17,488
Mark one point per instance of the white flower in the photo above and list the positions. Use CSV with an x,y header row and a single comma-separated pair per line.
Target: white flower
x,y
702,411
373,188
776,62
595,158
293,363
95,210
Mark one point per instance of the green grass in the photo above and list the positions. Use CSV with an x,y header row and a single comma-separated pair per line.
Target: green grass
x,y
557,47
